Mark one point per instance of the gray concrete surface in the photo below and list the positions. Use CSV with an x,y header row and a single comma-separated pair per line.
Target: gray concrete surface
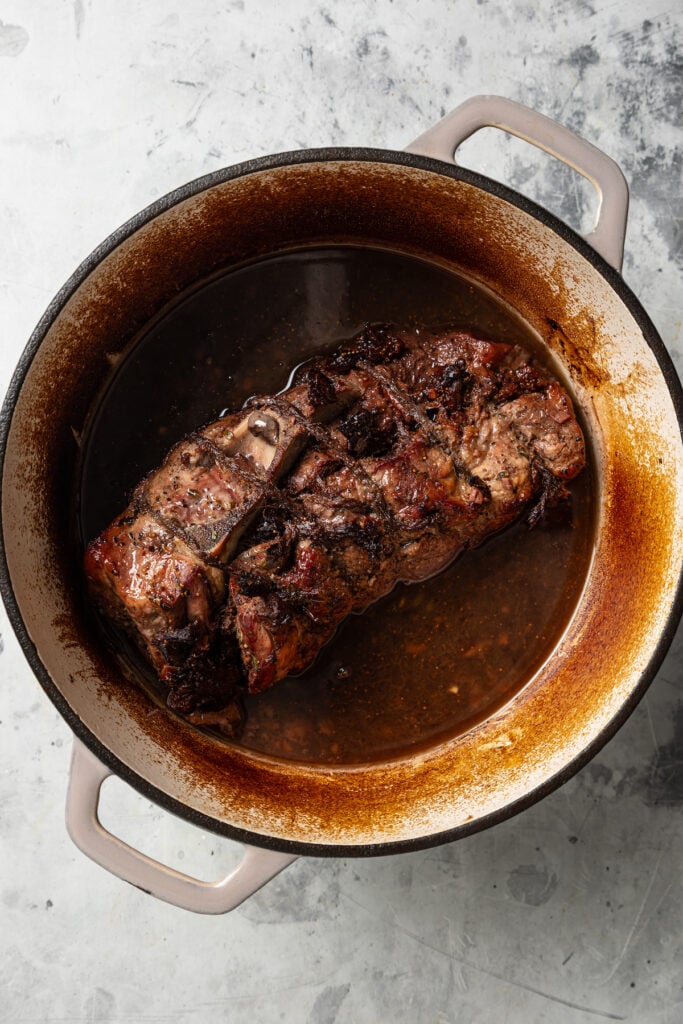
x,y
571,912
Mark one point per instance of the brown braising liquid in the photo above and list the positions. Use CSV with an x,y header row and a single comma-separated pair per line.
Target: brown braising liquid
x,y
428,661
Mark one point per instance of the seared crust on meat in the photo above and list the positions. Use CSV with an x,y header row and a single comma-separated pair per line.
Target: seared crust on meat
x,y
240,555
150,582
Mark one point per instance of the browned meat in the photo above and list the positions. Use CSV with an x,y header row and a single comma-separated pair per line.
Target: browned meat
x,y
152,584
241,554
205,497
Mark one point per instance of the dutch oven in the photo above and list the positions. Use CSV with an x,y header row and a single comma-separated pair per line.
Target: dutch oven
x,y
568,288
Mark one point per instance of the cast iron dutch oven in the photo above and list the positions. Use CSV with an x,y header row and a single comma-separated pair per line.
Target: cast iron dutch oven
x,y
567,287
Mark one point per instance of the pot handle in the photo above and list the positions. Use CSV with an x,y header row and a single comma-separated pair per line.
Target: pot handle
x,y
609,231
256,868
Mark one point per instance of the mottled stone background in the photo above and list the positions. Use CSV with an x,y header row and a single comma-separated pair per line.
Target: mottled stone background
x,y
572,911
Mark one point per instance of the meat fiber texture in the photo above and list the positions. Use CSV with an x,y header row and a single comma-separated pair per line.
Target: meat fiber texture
x,y
236,559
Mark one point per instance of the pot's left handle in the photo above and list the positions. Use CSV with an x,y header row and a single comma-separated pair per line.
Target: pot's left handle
x,y
256,868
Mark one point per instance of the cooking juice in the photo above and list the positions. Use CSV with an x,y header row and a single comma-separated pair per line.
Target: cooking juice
x,y
428,661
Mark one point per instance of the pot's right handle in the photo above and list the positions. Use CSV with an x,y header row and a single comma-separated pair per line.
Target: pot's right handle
x,y
609,231
256,868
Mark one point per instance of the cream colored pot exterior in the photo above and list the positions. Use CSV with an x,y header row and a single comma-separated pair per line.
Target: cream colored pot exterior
x,y
597,333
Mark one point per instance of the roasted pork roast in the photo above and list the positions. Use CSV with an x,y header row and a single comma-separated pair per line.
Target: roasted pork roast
x,y
236,559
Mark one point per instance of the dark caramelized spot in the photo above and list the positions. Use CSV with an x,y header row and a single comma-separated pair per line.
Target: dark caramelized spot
x,y
448,388
321,389
376,344
553,498
368,434
176,645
